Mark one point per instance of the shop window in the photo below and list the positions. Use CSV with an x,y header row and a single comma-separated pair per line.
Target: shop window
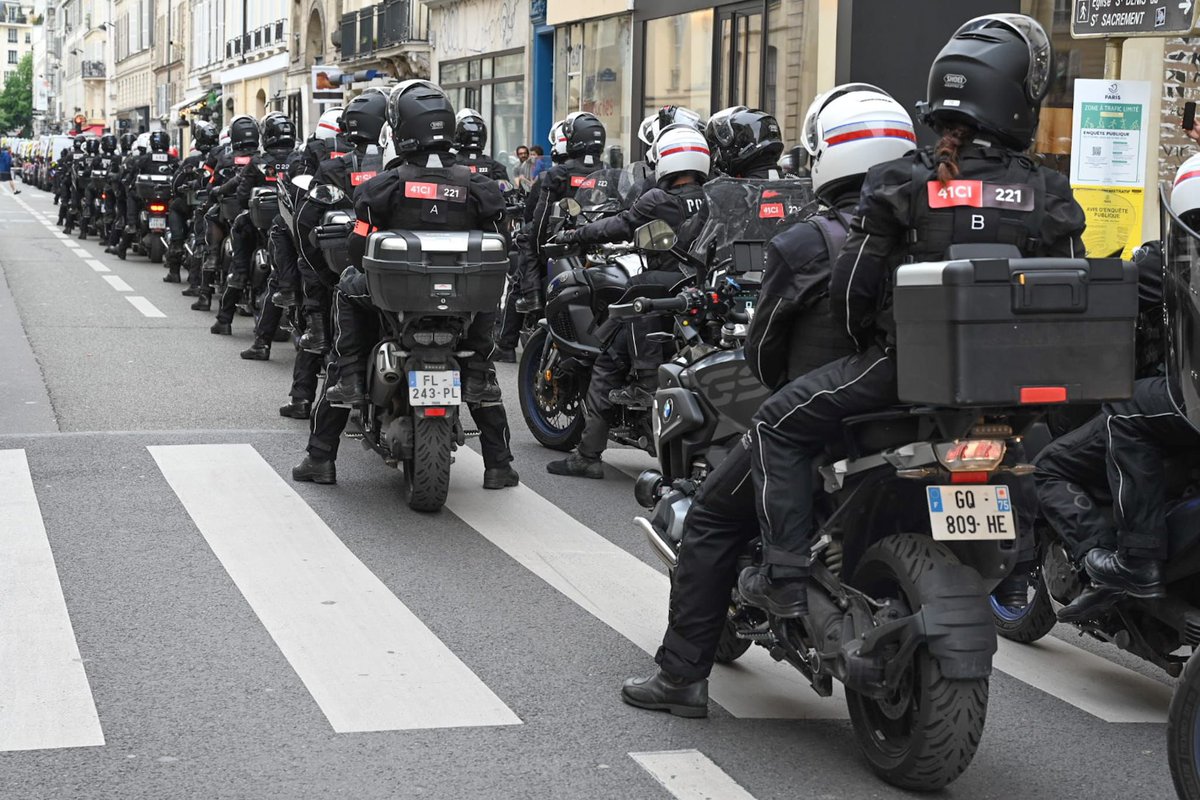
x,y
593,73
493,85
678,62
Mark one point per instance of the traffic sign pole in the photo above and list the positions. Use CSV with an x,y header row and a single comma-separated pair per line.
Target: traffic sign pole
x,y
1113,48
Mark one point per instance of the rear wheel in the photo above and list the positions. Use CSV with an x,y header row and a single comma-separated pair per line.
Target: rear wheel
x,y
731,648
1183,732
926,733
553,409
157,250
428,471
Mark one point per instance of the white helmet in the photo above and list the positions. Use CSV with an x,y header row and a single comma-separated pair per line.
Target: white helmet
x,y
329,126
665,117
142,142
558,139
223,139
679,149
850,129
1185,192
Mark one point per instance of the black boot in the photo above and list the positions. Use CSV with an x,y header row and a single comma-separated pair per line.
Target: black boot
x,y
315,470
191,291
577,466
314,339
787,598
664,692
297,409
1090,605
500,477
506,355
259,351
1013,591
83,230
172,276
638,394
348,391
221,328
203,303
1137,577
284,298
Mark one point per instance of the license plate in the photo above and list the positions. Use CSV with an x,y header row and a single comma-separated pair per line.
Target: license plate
x,y
442,388
970,513
158,223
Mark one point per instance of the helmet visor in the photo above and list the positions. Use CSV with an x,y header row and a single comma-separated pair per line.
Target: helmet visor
x,y
1041,55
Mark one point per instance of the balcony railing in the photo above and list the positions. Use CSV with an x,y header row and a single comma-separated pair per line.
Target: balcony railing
x,y
92,69
270,35
383,26
12,17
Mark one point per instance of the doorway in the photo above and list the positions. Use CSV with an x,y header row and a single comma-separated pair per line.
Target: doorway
x,y
739,56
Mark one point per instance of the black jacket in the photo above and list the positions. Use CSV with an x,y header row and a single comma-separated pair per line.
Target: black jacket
x,y
484,165
895,222
684,208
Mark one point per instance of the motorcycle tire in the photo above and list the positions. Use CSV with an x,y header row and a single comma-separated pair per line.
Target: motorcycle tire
x,y
549,432
1183,731
730,648
926,734
156,250
427,473
1030,623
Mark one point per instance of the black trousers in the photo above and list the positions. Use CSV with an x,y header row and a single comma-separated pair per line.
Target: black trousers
x,y
179,215
87,204
244,238
718,528
356,328
284,258
789,433
608,373
508,327
1117,456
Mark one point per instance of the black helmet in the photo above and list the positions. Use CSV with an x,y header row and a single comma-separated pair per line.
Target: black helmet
x,y
204,136
585,134
160,141
92,145
78,144
278,131
742,138
127,140
365,115
421,117
992,75
470,131
243,134
108,143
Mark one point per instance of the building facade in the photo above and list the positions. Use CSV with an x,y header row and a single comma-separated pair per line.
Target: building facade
x,y
133,77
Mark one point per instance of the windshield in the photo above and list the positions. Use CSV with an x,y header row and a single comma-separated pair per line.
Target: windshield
x,y
750,210
609,191
1181,290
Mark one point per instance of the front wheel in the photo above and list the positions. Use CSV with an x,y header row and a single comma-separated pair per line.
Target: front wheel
x,y
1183,731
553,409
926,733
1028,624
428,472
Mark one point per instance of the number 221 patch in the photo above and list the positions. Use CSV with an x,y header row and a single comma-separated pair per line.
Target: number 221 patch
x,y
980,194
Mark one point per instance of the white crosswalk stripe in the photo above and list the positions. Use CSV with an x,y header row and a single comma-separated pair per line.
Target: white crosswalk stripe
x,y
45,699
369,663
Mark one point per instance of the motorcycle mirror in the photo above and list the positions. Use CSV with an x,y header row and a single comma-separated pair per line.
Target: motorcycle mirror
x,y
655,235
570,206
302,182
327,195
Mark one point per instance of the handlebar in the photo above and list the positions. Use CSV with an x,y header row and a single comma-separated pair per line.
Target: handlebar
x,y
333,231
646,305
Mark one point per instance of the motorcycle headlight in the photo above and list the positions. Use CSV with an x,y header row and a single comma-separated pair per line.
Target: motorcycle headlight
x,y
971,455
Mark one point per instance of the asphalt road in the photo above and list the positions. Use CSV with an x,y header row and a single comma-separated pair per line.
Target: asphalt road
x,y
474,653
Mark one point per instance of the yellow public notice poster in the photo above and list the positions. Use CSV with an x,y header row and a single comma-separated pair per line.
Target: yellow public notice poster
x,y
1114,219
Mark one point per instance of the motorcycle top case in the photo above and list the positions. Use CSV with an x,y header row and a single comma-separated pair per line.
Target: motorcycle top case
x,y
336,249
264,205
460,272
154,187
1001,332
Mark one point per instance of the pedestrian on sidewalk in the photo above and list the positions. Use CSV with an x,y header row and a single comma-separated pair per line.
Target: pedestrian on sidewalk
x,y
6,163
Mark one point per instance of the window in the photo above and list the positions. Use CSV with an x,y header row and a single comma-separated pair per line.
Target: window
x,y
12,35
593,72
12,56
494,86
678,69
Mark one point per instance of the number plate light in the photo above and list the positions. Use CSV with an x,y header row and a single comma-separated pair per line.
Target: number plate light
x,y
971,455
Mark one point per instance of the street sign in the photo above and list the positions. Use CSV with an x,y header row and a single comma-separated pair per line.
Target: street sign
x,y
1093,19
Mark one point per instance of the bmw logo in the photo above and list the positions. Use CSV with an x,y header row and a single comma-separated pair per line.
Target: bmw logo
x,y
667,408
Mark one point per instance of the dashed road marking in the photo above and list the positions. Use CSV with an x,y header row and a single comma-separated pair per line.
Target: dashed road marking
x,y
143,305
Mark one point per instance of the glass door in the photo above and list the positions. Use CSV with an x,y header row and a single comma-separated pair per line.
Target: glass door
x,y
739,58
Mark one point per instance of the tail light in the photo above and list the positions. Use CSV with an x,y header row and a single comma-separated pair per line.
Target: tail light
x,y
158,208
971,455
433,411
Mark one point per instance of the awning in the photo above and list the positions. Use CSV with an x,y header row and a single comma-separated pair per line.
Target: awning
x,y
255,69
190,98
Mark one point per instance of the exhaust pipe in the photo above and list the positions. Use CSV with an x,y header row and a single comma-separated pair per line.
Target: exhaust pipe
x,y
661,548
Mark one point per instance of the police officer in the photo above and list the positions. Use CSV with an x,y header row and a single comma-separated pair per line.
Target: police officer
x,y
470,137
265,169
156,159
84,148
791,334
117,193
986,122
681,166
582,137
745,143
62,182
421,117
190,175
236,149
99,152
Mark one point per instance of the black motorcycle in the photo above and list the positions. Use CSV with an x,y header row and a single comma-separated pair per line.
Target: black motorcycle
x,y
154,191
916,515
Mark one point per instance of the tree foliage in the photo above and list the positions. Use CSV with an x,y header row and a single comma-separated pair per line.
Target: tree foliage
x,y
16,100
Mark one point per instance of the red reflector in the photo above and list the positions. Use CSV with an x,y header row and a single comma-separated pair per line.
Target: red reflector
x,y
1043,394
158,208
435,412
968,477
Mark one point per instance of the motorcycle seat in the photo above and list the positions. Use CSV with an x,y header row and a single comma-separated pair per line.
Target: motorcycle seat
x,y
863,434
